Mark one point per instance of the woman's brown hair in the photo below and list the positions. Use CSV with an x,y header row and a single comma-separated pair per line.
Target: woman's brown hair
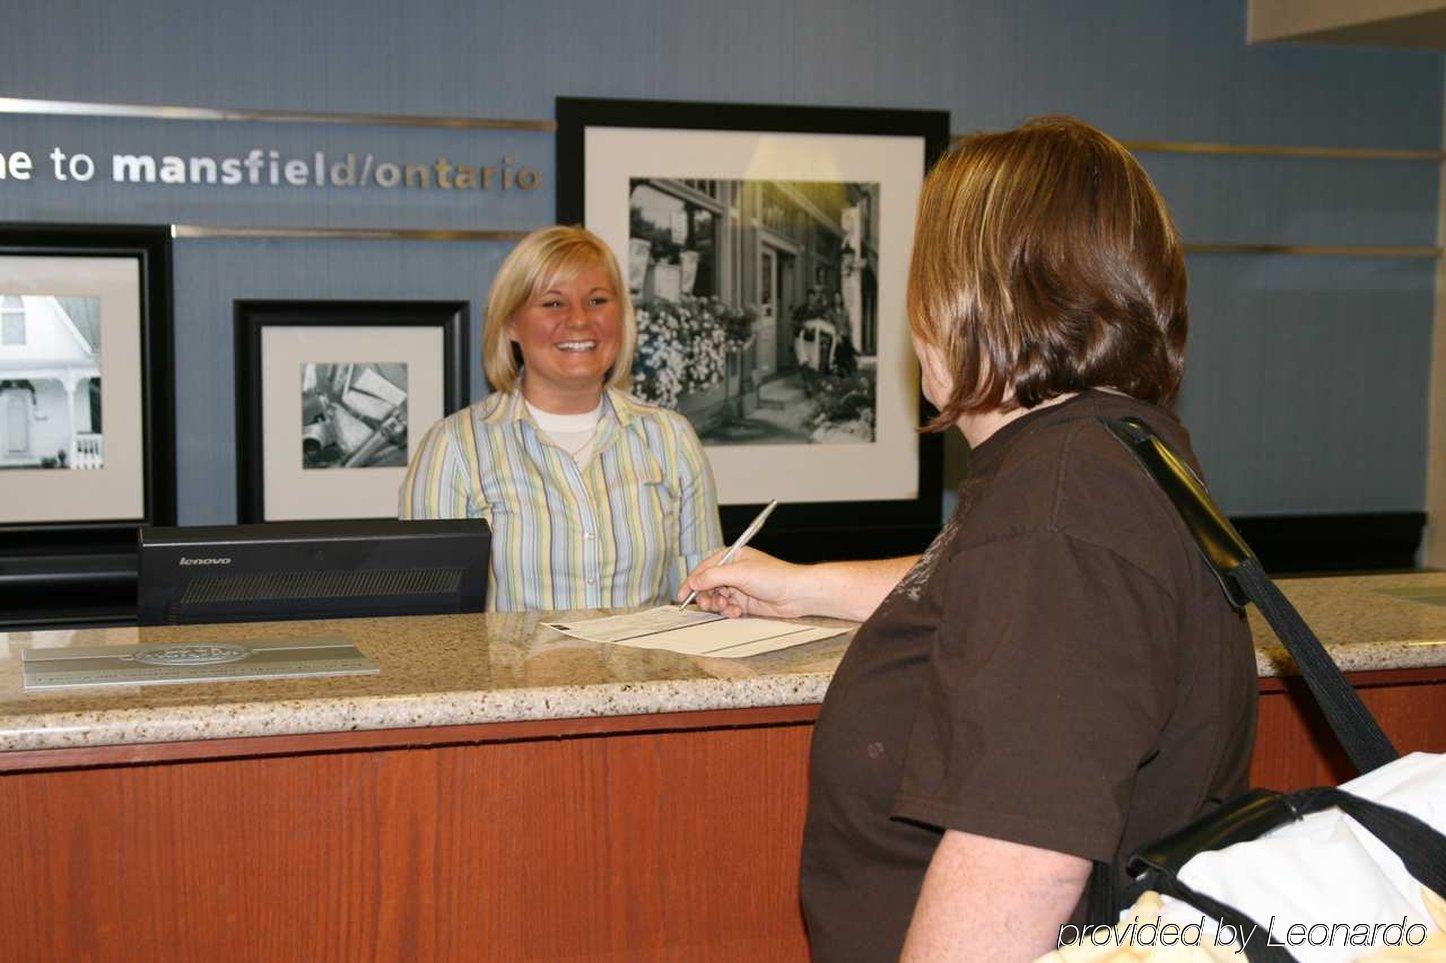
x,y
1046,262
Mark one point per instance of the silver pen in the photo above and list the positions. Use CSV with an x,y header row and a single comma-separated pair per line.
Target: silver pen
x,y
743,539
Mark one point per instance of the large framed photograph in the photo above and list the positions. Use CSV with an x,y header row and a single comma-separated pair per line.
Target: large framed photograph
x,y
766,250
86,417
333,397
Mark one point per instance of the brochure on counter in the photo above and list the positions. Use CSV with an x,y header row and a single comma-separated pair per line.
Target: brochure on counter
x,y
694,632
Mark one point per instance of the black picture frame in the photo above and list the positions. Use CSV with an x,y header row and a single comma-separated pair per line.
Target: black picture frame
x,y
809,530
80,569
252,317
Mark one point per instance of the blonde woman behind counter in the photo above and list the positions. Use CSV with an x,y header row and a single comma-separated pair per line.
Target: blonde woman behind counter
x,y
596,500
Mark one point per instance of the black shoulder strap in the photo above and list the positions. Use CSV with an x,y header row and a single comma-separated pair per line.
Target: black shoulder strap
x,y
1421,848
1217,539
1243,579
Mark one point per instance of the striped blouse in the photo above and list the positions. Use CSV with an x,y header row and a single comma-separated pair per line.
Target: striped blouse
x,y
623,529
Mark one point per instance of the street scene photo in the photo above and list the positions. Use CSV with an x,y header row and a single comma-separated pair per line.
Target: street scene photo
x,y
50,382
354,415
757,306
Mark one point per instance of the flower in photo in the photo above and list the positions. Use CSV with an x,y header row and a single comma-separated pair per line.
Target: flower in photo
x,y
682,347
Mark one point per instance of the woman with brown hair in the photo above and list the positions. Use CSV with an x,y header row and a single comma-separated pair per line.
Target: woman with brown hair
x,y
1059,677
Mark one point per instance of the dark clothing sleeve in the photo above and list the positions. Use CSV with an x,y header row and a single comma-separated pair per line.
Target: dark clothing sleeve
x,y
1050,681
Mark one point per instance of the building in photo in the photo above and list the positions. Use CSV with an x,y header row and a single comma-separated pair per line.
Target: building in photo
x,y
50,401
757,306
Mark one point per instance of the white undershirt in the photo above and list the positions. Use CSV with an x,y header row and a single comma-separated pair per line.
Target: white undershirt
x,y
574,434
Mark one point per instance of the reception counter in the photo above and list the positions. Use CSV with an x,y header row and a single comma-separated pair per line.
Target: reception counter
x,y
501,791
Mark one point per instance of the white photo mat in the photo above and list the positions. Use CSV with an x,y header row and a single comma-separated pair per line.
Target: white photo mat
x,y
751,474
294,493
116,490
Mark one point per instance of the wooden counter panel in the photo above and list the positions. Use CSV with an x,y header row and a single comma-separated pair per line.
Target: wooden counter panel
x,y
673,845
1294,748
638,838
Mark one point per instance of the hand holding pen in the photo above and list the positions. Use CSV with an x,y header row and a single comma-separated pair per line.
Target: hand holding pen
x,y
737,546
754,583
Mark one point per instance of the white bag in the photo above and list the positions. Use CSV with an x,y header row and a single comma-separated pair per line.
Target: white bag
x,y
1323,888
1324,885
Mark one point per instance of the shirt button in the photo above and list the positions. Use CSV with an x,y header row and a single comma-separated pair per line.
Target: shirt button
x,y
591,580
588,535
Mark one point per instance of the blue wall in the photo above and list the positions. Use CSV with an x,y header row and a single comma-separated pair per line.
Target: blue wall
x,y
1308,377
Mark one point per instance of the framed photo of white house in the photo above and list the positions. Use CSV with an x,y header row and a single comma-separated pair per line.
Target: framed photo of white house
x,y
86,418
766,249
333,397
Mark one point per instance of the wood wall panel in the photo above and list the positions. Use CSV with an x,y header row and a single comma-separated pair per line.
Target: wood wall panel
x,y
1294,748
659,846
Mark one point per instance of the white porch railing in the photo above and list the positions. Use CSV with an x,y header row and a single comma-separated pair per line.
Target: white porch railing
x,y
86,451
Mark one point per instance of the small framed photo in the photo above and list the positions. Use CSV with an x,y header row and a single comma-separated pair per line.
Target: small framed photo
x,y
767,252
332,398
86,418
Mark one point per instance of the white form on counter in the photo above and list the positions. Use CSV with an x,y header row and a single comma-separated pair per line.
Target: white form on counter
x,y
694,632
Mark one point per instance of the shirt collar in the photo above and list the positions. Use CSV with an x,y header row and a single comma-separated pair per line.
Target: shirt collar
x,y
510,407
504,407
623,406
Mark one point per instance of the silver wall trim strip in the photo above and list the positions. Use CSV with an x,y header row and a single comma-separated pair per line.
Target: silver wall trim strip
x,y
207,231
77,108
1332,250
1280,150
1274,150
80,108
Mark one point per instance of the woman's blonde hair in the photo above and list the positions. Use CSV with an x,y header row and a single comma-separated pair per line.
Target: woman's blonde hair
x,y
539,260
1046,262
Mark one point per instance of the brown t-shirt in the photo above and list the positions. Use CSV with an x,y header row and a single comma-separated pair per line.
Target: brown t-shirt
x,y
1061,669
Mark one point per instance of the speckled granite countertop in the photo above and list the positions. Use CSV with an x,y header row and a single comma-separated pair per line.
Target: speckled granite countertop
x,y
462,669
